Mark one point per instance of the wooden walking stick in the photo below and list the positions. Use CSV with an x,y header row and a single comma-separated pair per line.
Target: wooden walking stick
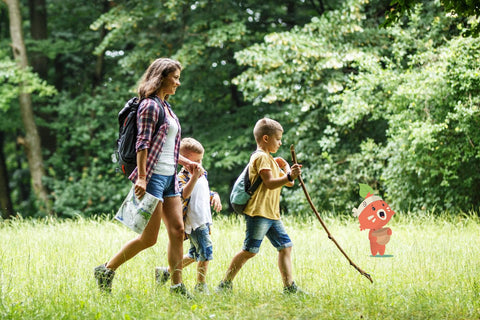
x,y
363,273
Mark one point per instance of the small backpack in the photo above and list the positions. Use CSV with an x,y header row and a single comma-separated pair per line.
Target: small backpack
x,y
243,190
126,154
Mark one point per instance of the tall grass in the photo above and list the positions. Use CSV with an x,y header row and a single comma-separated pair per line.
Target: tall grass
x,y
432,272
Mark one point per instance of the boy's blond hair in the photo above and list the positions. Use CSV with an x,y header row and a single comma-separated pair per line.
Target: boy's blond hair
x,y
267,127
191,145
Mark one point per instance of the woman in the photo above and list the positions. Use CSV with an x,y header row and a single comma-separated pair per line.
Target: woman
x,y
157,159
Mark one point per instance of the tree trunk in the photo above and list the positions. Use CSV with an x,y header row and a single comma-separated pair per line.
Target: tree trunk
x,y
98,75
39,63
32,140
38,30
6,208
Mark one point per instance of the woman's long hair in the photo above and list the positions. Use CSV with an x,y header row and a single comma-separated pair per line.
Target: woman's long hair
x,y
152,78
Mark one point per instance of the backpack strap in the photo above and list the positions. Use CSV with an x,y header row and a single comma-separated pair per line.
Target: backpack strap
x,y
161,116
251,188
255,185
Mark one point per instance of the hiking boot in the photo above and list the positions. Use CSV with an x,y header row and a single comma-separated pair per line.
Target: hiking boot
x,y
201,288
224,287
161,275
181,290
104,277
293,289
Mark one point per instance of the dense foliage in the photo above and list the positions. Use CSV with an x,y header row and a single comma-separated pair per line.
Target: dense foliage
x,y
464,8
397,107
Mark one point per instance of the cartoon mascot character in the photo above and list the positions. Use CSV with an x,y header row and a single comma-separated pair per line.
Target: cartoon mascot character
x,y
374,213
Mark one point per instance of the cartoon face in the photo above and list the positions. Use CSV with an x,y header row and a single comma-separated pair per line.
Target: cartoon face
x,y
373,213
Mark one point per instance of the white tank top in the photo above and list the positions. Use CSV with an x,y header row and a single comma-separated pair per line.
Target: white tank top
x,y
165,164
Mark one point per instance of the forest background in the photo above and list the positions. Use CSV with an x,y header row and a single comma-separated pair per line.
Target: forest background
x,y
395,105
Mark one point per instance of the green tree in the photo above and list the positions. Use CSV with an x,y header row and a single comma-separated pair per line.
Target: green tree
x,y
372,105
81,174
363,104
470,10
95,71
68,49
204,37
31,141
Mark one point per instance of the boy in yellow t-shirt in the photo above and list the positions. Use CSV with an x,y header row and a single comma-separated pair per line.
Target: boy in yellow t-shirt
x,y
262,212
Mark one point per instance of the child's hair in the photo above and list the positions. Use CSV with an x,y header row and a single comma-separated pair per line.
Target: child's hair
x,y
191,145
267,127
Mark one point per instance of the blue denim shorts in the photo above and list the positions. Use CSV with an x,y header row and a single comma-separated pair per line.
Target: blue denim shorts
x,y
162,186
259,227
201,248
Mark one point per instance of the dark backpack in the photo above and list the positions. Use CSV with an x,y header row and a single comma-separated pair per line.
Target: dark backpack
x,y
243,190
126,153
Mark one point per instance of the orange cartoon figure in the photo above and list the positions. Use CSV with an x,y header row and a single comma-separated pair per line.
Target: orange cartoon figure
x,y
374,213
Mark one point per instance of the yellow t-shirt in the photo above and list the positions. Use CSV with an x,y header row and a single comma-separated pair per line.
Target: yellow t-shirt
x,y
264,202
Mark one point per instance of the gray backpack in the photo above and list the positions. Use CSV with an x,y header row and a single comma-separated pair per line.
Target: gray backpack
x,y
243,190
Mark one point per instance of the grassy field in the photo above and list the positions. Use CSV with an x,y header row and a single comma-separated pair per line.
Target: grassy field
x,y
431,272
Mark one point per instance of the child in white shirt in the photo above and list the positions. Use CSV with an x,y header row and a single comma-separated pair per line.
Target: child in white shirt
x,y
197,200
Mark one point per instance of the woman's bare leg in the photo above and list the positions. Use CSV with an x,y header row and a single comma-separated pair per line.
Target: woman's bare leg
x,y
147,239
172,217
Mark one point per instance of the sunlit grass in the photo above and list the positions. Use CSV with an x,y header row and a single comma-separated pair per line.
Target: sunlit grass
x,y
46,272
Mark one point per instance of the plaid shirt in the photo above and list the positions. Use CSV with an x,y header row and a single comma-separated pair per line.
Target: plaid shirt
x,y
183,178
147,117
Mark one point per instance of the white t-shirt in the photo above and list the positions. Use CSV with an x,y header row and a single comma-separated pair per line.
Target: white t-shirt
x,y
165,164
198,211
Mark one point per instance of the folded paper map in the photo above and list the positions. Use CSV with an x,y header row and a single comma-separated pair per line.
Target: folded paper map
x,y
134,212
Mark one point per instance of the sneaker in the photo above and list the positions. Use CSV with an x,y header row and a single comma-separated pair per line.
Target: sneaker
x,y
293,289
224,287
201,288
161,275
181,290
104,277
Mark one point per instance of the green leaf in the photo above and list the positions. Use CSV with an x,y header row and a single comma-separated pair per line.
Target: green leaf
x,y
365,189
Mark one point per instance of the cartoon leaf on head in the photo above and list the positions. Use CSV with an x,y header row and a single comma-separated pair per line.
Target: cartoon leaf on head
x,y
365,189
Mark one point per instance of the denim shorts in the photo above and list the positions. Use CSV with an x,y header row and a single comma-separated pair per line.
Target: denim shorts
x,y
162,186
200,244
259,227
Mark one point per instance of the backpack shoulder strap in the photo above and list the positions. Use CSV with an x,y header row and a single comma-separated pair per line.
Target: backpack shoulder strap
x,y
251,188
161,115
255,185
